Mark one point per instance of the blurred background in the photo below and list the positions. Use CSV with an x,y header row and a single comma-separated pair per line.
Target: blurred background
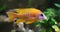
x,y
51,8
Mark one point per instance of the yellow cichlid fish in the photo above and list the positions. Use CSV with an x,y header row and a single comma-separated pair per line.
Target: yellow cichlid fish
x,y
26,15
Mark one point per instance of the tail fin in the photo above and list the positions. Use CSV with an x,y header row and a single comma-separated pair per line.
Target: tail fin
x,y
11,16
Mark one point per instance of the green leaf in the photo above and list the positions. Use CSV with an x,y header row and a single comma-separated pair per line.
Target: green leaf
x,y
42,30
58,5
3,7
38,25
53,21
55,27
50,12
41,21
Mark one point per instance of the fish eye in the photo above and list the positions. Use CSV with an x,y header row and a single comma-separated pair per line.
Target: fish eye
x,y
41,14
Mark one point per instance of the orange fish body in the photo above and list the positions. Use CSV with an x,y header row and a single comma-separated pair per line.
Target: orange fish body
x,y
27,15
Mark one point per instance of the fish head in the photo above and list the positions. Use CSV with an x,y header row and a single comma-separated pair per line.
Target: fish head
x,y
41,17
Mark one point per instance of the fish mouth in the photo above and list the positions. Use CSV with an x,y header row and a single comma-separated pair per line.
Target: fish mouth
x,y
45,17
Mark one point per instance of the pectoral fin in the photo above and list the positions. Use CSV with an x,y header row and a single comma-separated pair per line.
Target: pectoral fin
x,y
30,22
19,20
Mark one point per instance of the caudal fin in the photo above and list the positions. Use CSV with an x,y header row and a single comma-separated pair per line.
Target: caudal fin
x,y
11,16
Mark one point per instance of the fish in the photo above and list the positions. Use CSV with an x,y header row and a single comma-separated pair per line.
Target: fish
x,y
26,15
